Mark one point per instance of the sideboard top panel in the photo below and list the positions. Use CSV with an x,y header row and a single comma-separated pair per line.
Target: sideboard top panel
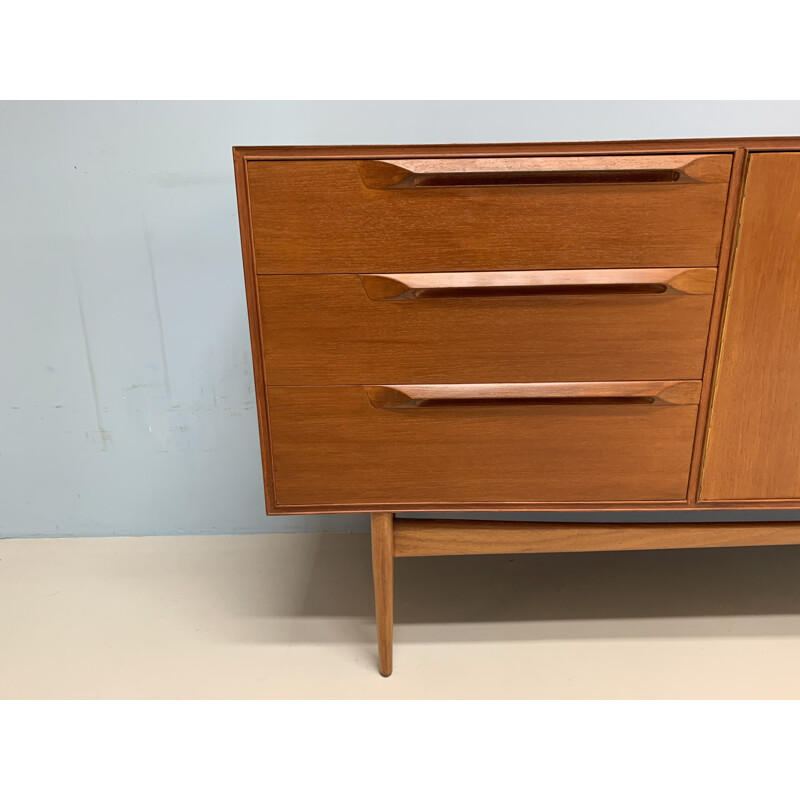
x,y
299,152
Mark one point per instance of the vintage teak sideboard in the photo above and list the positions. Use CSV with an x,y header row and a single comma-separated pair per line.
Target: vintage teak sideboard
x,y
526,327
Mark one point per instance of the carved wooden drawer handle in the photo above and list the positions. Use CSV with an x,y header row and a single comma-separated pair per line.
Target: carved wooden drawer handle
x,y
444,285
432,173
665,393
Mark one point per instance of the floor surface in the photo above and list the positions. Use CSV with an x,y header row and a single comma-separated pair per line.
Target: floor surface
x,y
290,616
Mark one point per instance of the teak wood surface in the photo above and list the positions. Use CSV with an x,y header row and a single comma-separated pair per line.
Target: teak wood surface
x,y
447,537
521,283
754,435
433,172
331,445
332,329
571,393
620,147
319,216
730,225
383,576
465,363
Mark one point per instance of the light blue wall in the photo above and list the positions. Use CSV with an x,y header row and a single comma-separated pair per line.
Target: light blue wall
x,y
126,398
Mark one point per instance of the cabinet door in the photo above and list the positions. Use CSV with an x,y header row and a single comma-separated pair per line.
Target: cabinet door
x,y
753,448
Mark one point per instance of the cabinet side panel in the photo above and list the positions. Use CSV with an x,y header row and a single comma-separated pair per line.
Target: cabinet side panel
x,y
254,315
753,450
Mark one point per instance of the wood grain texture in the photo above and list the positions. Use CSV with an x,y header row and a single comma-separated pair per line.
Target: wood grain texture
x,y
579,149
318,216
383,580
732,211
332,446
407,286
432,537
326,329
255,324
669,393
753,450
416,173
518,149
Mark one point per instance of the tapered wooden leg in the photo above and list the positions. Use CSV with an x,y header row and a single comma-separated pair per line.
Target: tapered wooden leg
x,y
383,575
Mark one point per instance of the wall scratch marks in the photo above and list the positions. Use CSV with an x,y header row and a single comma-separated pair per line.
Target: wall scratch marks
x,y
149,245
105,436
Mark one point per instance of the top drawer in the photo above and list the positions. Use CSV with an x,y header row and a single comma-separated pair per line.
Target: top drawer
x,y
487,213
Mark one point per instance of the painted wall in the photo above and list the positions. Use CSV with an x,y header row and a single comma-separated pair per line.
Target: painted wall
x,y
126,397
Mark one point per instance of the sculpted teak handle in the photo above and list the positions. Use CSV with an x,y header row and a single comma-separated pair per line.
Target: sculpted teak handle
x,y
665,393
432,173
407,286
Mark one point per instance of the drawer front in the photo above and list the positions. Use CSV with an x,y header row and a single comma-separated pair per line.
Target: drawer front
x,y
481,214
360,447
549,325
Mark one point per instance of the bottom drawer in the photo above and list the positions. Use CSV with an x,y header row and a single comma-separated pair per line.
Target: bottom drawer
x,y
367,446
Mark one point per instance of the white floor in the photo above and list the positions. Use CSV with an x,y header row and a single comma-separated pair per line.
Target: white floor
x,y
290,616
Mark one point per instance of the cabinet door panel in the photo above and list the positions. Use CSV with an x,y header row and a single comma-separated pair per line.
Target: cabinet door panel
x,y
753,448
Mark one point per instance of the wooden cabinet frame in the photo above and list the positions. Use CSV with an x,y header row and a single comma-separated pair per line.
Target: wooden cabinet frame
x,y
406,537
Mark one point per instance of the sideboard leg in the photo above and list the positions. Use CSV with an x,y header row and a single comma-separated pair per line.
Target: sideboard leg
x,y
383,576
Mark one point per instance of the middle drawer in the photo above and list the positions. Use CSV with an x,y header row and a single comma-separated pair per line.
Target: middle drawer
x,y
486,327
